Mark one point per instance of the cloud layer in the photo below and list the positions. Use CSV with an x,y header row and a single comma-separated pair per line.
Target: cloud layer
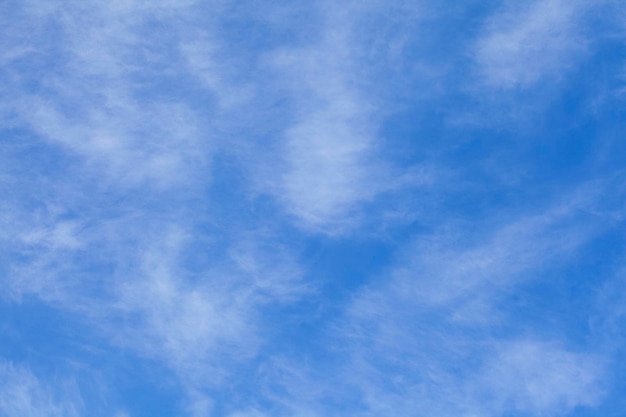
x,y
370,209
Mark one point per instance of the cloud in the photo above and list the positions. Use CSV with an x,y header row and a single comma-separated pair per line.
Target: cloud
x,y
198,322
192,327
540,379
252,413
115,101
113,225
169,288
167,166
92,98
331,164
202,325
439,334
608,315
456,271
40,247
103,136
524,43
22,394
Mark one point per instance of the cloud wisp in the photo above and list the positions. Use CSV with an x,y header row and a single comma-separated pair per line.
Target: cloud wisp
x,y
23,394
238,209
525,43
443,333
330,155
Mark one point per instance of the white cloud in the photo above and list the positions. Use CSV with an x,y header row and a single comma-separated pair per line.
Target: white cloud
x,y
426,338
91,101
209,61
248,413
128,273
22,394
327,174
156,144
192,327
331,160
526,42
202,325
197,322
110,237
540,378
123,245
46,245
608,316
463,274
96,103
199,405
62,235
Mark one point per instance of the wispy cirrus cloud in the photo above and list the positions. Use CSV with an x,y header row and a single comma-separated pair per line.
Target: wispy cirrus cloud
x,y
524,43
539,378
330,164
110,238
454,329
442,333
197,196
90,75
22,394
197,323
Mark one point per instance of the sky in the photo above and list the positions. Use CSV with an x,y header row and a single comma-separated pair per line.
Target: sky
x,y
218,208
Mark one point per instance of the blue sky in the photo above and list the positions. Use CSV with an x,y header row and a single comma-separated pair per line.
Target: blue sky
x,y
312,209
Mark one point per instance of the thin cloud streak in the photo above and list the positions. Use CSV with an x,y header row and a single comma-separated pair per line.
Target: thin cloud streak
x,y
213,200
529,42
22,394
90,103
435,338
331,166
